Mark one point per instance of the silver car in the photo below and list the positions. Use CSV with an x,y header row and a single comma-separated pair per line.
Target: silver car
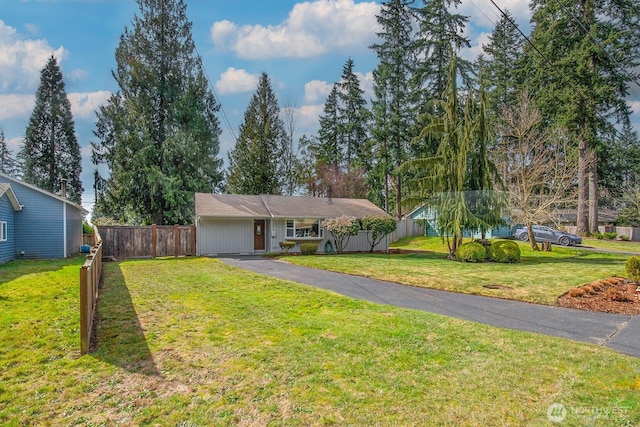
x,y
548,234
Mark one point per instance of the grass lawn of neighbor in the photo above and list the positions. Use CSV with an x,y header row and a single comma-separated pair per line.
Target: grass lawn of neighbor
x,y
193,342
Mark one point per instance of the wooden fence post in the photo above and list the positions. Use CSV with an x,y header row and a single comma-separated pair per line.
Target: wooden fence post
x,y
153,240
193,240
176,240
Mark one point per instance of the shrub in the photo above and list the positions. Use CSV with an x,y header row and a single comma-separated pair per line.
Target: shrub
x,y
471,252
286,246
308,248
87,228
506,251
610,235
624,238
341,228
378,227
598,235
632,267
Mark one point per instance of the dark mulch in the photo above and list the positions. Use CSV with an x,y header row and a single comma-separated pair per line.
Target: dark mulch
x,y
613,295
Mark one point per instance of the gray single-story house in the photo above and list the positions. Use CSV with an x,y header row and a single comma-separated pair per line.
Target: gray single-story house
x,y
243,224
37,224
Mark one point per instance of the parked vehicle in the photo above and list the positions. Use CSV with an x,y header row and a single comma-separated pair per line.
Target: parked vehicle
x,y
547,234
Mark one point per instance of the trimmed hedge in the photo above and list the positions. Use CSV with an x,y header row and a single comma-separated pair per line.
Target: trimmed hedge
x,y
308,248
505,251
471,252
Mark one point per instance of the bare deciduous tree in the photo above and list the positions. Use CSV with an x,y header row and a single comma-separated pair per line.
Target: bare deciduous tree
x,y
538,166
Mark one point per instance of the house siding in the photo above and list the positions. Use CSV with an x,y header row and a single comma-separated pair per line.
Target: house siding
x,y
7,248
225,236
39,225
74,230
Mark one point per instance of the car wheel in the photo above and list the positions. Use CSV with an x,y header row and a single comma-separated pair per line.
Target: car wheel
x,y
564,241
523,236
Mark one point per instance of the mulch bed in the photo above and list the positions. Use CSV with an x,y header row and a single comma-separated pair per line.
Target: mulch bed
x,y
613,295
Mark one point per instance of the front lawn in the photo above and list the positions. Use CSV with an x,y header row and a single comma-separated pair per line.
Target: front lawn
x,y
540,277
195,342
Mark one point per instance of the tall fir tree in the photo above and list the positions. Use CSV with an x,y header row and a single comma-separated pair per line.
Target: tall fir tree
x,y
393,117
51,151
581,67
256,163
439,38
158,134
328,149
500,69
8,164
353,120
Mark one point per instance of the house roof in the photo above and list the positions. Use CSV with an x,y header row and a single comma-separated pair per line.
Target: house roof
x,y
6,189
8,178
271,206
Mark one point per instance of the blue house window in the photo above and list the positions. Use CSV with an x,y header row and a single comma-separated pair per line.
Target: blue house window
x,y
3,231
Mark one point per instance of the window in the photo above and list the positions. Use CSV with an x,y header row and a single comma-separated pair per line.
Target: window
x,y
304,228
3,231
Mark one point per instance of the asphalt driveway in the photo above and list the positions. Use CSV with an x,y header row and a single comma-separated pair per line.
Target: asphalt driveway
x,y
615,331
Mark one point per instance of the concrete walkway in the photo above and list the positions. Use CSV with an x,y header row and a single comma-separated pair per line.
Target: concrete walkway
x,y
615,331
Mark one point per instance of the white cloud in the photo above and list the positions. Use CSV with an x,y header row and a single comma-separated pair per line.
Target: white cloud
x,y
21,60
15,144
12,106
76,75
311,29
316,90
366,84
482,13
472,53
85,104
236,81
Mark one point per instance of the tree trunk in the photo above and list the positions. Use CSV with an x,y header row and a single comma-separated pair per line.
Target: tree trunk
x,y
593,193
583,187
532,238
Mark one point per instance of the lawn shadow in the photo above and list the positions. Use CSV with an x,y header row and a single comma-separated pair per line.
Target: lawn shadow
x,y
118,337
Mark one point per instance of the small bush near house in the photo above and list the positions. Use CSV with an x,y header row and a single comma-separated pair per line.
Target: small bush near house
x,y
286,246
308,248
505,251
610,235
624,238
87,228
598,235
471,252
632,267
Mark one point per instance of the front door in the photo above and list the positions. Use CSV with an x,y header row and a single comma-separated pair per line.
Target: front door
x,y
258,235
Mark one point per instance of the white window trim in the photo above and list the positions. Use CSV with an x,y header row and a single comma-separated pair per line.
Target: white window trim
x,y
4,231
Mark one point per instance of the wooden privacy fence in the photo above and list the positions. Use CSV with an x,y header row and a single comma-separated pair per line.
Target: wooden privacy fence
x,y
90,274
407,227
123,242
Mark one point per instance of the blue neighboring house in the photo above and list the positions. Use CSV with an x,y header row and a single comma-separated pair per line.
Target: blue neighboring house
x,y
36,224
428,214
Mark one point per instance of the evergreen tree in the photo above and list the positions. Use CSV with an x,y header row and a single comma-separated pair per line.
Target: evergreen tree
x,y
328,150
393,115
8,165
51,151
584,60
501,68
439,38
256,162
353,118
159,133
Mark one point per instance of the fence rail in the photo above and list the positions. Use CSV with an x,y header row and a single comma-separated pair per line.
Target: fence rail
x,y
407,227
124,242
90,274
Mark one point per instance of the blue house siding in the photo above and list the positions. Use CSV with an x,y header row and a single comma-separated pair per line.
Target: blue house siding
x,y
48,226
74,230
7,249
39,226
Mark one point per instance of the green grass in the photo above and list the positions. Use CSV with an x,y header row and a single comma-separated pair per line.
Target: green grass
x,y
195,342
612,245
540,277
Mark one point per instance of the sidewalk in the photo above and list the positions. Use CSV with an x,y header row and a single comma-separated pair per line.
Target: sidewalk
x,y
615,331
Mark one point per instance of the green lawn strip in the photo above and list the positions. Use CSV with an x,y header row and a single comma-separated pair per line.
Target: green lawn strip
x,y
540,277
195,342
612,245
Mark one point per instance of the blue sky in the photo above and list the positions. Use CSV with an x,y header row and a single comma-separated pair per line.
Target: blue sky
x,y
302,45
